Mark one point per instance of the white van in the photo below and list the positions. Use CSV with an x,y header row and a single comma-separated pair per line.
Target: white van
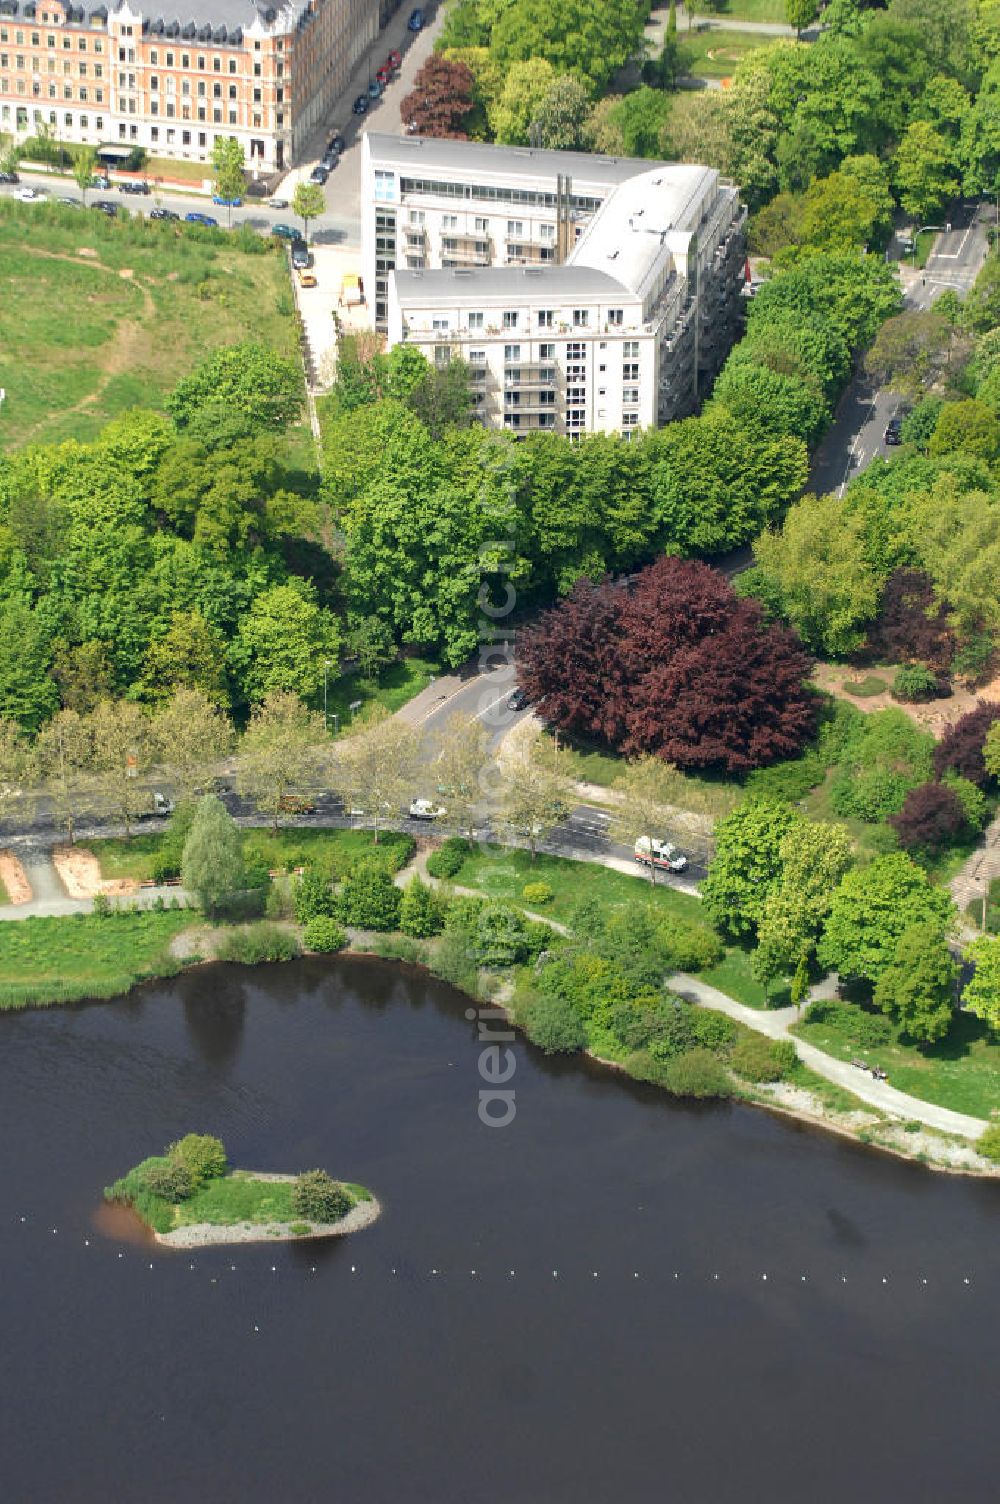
x,y
664,854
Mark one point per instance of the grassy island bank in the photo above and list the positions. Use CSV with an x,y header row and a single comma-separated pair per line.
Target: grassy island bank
x,y
190,1196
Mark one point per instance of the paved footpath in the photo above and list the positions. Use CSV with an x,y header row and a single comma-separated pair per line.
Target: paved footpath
x,y
50,899
776,1023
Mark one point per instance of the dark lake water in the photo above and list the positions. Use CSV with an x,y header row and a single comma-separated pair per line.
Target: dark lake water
x,y
307,1381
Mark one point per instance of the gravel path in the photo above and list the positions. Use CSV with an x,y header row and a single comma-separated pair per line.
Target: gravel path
x,y
776,1023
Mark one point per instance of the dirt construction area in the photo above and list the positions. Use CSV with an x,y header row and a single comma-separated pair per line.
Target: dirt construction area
x,y
80,874
13,877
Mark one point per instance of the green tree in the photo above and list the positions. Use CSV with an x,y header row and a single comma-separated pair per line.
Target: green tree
x,y
819,563
201,1155
917,987
308,202
778,404
283,642
525,88
374,766
925,171
27,691
801,13
192,736
319,1199
747,864
64,756
982,992
123,747
212,867
314,895
20,767
460,770
967,425
83,672
872,176
911,351
284,750
532,790
554,1024
814,856
190,654
593,41
248,379
228,171
956,536
84,163
561,114
872,907
369,898
371,642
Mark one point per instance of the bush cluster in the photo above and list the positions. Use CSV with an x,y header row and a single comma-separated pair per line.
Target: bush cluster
x,y
319,1198
258,942
449,858
324,933
757,1058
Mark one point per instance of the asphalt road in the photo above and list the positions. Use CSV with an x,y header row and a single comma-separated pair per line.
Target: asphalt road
x,y
856,436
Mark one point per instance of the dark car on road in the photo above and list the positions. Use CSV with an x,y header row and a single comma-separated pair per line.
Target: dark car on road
x,y
319,174
517,699
106,205
374,89
227,203
330,161
9,177
894,431
393,62
360,105
133,187
416,21
285,232
197,218
336,142
299,252
163,214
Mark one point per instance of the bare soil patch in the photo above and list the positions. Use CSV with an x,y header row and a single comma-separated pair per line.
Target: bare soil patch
x,y
80,874
14,878
933,715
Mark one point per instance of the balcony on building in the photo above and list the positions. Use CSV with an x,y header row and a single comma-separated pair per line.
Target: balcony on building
x,y
466,250
527,375
521,252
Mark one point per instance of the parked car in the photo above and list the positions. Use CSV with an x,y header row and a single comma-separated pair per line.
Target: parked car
x,y
416,21
72,203
285,232
426,809
133,187
336,142
894,431
28,195
197,218
360,105
277,203
160,807
301,257
9,177
374,89
100,180
330,160
517,699
306,278
106,205
384,77
227,203
394,61
664,854
163,214
319,174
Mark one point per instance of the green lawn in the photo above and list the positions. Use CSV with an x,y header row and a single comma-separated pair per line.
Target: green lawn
x,y
502,873
238,1198
61,960
100,315
734,977
715,53
285,848
962,1072
750,10
396,685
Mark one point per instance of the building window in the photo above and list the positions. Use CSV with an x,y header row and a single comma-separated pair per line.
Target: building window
x,y
154,134
616,315
482,226
512,353
475,320
515,227
630,372
548,232
630,396
581,318
546,352
630,349
545,317
449,221
630,420
477,357
510,318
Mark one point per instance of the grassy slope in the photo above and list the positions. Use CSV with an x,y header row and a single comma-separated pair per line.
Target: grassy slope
x,y
963,1072
80,340
396,685
716,53
60,960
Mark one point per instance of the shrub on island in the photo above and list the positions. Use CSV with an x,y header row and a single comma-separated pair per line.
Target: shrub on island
x,y
201,1155
757,1058
554,1025
696,1073
320,1198
258,942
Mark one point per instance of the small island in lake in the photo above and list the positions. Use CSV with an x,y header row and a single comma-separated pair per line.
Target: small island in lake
x,y
188,1196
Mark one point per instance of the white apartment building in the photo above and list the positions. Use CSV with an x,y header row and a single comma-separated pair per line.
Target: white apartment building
x,y
586,293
